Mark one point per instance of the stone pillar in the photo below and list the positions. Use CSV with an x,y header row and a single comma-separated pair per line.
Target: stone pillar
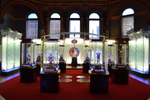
x,y
41,31
107,31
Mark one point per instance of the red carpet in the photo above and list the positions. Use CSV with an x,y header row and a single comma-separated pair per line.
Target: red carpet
x,y
14,90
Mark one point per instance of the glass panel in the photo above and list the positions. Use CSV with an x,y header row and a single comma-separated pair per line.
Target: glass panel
x,y
54,28
17,52
128,11
74,27
37,52
31,29
55,15
94,28
32,16
132,53
10,56
146,55
74,15
140,54
94,16
127,25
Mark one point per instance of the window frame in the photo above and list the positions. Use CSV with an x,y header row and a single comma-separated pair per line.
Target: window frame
x,y
36,19
54,19
125,16
78,19
95,19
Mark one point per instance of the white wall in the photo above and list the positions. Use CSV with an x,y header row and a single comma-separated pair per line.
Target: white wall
x,y
78,45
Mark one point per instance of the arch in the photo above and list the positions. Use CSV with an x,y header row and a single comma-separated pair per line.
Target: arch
x,y
26,3
54,11
95,11
32,16
74,11
94,16
74,15
55,15
127,3
127,11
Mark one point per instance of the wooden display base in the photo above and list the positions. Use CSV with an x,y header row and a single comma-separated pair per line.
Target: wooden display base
x,y
10,72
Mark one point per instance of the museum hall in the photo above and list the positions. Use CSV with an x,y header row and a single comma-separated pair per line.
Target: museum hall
x,y
74,50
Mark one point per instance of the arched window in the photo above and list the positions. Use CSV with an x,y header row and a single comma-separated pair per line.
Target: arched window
x,y
94,25
32,26
127,22
55,25
74,24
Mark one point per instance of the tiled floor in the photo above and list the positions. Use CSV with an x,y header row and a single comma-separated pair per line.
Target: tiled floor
x,y
144,80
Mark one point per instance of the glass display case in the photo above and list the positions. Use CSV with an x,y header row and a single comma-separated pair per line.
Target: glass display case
x,y
139,52
27,53
28,70
10,50
49,56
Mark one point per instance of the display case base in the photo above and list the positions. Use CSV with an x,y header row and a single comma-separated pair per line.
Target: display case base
x,y
9,73
99,83
120,76
86,67
139,74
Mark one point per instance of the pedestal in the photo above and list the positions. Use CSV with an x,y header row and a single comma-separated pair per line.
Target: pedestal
x,y
49,82
28,74
74,62
99,82
86,67
120,76
62,67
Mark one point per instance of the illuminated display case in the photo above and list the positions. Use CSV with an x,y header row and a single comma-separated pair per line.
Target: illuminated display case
x,y
10,51
27,53
99,47
28,70
49,56
139,52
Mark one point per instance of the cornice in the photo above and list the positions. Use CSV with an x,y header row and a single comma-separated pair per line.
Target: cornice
x,y
74,2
